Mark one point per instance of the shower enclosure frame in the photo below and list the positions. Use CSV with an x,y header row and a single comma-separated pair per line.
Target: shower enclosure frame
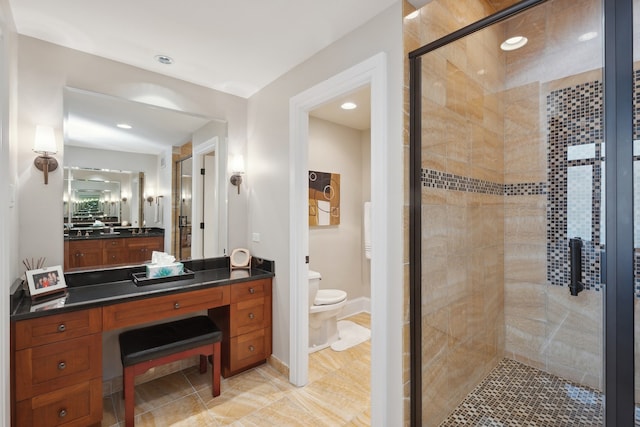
x,y
618,118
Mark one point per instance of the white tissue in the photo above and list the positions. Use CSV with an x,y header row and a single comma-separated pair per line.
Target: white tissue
x,y
162,258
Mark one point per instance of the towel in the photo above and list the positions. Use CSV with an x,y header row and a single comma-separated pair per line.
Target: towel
x,y
367,230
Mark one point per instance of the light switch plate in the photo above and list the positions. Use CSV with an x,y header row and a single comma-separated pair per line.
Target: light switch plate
x,y
256,237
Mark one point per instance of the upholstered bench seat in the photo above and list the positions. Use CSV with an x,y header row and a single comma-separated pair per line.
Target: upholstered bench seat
x,y
144,348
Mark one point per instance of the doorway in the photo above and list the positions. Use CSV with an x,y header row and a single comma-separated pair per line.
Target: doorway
x,y
386,300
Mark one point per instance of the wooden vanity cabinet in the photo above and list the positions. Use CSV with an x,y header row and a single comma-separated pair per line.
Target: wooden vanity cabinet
x,y
246,326
84,253
108,252
139,249
113,251
57,370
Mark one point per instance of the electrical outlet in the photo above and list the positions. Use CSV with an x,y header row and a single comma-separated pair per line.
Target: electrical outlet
x,y
256,237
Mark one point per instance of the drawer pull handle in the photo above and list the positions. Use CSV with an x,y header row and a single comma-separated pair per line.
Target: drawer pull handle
x,y
62,366
62,413
252,316
176,305
251,348
252,291
62,327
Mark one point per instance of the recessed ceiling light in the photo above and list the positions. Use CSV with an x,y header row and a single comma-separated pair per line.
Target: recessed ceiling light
x,y
588,36
348,106
164,59
514,43
123,126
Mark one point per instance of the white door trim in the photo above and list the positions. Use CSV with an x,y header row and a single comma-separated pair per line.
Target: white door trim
x,y
386,325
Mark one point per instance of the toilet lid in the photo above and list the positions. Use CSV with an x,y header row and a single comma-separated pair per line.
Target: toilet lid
x,y
329,296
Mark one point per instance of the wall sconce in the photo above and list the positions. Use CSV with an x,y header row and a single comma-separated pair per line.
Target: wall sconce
x,y
124,200
237,170
150,200
45,144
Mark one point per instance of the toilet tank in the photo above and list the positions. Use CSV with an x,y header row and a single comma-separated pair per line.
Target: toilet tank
x,y
314,285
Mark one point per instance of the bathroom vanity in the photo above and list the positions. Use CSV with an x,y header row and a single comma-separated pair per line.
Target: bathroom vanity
x,y
56,345
91,247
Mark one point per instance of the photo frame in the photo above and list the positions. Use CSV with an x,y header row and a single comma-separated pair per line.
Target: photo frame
x,y
45,281
324,198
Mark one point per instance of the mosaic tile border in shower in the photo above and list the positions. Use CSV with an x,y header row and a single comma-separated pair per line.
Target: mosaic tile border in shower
x,y
447,181
574,119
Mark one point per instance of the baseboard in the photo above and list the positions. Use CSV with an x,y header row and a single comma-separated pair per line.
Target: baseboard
x,y
355,306
278,365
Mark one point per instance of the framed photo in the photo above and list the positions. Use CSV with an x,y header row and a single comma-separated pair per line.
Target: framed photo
x,y
44,281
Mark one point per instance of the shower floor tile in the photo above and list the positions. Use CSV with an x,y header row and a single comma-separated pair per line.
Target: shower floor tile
x,y
515,395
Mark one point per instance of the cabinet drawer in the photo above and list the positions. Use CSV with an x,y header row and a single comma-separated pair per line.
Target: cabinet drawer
x,y
113,243
247,316
157,308
145,242
114,256
254,289
79,405
249,349
50,329
52,366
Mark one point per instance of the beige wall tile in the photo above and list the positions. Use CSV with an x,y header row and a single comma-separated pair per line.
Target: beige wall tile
x,y
525,262
525,300
525,338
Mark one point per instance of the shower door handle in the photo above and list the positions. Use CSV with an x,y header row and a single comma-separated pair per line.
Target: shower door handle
x,y
603,266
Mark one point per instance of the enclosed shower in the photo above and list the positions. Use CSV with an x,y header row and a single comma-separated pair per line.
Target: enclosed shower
x,y
512,242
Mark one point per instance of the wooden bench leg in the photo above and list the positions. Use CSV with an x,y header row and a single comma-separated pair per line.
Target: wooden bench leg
x,y
129,395
215,380
203,363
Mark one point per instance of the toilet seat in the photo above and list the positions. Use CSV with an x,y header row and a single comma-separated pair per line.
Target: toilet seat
x,y
329,296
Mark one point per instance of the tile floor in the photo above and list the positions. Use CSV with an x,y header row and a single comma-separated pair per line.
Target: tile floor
x,y
517,395
338,394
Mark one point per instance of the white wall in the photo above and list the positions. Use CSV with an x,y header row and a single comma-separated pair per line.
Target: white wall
x,y
268,150
8,210
44,69
337,251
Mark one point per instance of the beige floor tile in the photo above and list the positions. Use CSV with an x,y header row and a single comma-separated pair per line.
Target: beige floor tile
x,y
155,394
338,394
188,411
109,417
283,412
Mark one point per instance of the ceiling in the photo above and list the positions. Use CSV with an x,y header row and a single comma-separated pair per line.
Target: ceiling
x,y
91,121
231,46
358,118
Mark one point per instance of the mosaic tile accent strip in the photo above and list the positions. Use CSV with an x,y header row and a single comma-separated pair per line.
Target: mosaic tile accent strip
x,y
448,181
636,104
514,394
574,119
436,179
526,189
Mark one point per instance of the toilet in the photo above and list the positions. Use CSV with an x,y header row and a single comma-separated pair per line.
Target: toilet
x,y
324,307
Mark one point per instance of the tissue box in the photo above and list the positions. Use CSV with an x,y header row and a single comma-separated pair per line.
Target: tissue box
x,y
154,271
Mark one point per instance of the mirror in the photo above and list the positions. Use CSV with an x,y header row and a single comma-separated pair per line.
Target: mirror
x,y
110,197
123,166
184,168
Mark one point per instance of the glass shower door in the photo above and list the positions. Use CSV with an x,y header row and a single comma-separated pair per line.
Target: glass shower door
x,y
511,218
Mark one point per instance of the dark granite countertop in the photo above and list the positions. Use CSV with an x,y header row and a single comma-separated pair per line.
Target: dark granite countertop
x,y
92,233
97,288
